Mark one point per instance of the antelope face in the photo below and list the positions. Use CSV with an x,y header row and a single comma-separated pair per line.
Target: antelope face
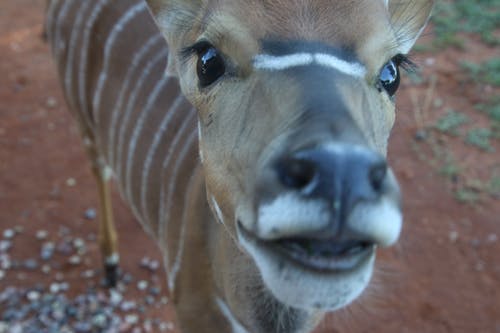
x,y
296,103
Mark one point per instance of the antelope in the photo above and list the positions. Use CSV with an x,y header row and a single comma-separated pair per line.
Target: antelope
x,y
249,138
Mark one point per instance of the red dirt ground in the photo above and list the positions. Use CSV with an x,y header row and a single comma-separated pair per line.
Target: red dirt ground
x,y
443,276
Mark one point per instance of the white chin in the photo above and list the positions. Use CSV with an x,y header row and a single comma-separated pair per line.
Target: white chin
x,y
303,288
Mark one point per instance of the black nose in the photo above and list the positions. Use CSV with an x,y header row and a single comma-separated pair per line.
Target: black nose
x,y
343,176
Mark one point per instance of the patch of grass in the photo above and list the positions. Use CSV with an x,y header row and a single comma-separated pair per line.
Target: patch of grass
x,y
451,122
491,108
494,186
495,130
486,72
466,196
451,17
481,138
450,169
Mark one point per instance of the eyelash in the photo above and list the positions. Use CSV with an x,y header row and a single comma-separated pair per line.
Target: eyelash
x,y
405,62
196,48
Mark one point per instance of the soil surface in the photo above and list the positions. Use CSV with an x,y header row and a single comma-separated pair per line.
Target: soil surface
x,y
443,276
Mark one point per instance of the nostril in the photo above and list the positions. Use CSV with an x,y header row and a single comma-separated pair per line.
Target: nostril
x,y
296,173
377,176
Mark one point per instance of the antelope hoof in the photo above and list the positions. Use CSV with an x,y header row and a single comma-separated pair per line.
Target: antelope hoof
x,y
111,277
111,270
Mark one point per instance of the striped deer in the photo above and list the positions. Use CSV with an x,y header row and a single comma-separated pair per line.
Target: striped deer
x,y
252,147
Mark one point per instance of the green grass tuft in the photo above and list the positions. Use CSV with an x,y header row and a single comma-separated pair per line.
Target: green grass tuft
x,y
451,121
481,138
452,17
486,72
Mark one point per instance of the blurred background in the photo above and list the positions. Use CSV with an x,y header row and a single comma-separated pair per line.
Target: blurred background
x,y
443,276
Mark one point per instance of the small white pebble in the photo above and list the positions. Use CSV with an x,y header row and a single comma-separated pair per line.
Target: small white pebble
x,y
78,243
70,182
33,296
5,245
88,274
9,233
54,288
154,265
145,262
128,305
479,266
64,286
46,269
75,260
132,319
166,326
148,326
492,238
142,285
51,102
453,236
115,297
41,234
4,327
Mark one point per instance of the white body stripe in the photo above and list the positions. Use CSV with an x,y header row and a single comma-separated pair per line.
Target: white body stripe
x,y
75,32
165,210
117,28
49,22
59,42
84,53
180,248
165,163
130,107
139,126
121,97
152,151
278,63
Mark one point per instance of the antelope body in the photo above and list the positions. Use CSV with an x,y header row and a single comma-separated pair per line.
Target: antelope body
x,y
251,148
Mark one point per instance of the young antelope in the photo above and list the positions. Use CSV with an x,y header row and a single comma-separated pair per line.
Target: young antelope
x,y
249,139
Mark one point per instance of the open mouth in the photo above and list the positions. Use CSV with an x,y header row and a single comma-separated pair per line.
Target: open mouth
x,y
322,255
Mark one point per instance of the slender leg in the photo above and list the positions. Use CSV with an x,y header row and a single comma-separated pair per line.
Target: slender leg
x,y
108,238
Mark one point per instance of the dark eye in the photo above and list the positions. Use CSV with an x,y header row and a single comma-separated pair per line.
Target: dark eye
x,y
210,66
389,77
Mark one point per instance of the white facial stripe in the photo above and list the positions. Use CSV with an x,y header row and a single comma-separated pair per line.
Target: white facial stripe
x,y
289,214
235,324
382,221
342,148
202,158
278,63
218,211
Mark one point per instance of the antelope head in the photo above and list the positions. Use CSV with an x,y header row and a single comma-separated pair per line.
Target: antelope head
x,y
295,105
